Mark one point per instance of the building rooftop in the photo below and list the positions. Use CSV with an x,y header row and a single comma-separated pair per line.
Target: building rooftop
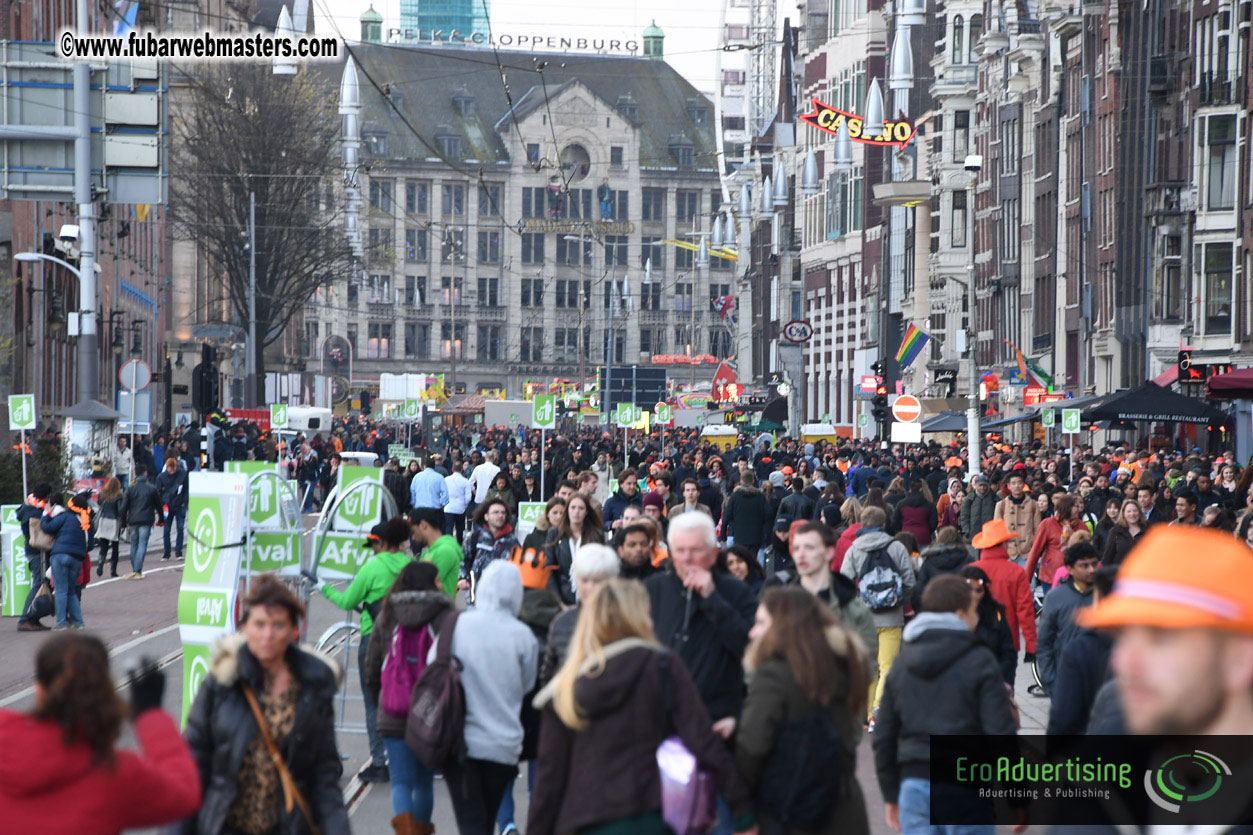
x,y
430,84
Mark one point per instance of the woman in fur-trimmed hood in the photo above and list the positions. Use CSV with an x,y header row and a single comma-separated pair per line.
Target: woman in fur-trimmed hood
x,y
294,689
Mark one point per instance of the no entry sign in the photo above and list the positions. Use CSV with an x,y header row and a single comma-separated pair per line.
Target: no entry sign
x,y
906,409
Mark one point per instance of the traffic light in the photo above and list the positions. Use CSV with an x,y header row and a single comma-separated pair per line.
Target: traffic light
x,y
879,404
365,400
204,381
876,368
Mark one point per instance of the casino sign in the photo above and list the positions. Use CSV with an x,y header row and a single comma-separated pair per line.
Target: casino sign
x,y
899,132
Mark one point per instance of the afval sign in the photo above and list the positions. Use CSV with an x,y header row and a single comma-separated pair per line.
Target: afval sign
x,y
898,132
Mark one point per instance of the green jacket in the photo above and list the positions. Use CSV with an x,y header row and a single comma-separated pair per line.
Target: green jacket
x,y
372,582
445,554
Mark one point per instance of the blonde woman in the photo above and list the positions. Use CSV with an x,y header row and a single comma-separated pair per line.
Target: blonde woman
x,y
603,718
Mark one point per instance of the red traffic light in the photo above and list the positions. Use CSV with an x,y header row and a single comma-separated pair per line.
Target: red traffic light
x,y
881,390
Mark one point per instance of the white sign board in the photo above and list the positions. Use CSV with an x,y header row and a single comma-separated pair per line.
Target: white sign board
x,y
906,433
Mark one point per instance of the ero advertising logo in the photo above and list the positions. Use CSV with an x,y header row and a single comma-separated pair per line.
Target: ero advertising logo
x,y
1185,778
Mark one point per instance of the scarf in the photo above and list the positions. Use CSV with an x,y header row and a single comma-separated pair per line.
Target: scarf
x,y
84,514
33,502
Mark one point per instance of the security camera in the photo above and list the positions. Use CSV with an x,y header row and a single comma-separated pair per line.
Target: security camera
x,y
69,234
974,162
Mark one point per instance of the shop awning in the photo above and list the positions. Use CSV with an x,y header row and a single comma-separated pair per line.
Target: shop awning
x,y
1235,385
1153,403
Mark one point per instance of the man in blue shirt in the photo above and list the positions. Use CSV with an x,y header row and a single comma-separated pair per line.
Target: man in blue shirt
x,y
428,489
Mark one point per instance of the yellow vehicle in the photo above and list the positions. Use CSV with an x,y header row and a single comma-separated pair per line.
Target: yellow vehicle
x,y
812,433
723,437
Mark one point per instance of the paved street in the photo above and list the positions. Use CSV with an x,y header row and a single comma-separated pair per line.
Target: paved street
x,y
137,619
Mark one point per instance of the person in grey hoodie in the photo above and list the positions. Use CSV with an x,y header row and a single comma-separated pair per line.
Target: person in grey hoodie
x,y
888,622
500,659
1057,626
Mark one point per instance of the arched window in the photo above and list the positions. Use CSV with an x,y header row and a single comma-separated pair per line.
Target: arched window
x,y
959,52
976,32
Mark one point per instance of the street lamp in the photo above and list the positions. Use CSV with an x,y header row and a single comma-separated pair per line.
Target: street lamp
x,y
974,164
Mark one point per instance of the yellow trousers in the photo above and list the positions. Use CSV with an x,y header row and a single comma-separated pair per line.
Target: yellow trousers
x,y
889,646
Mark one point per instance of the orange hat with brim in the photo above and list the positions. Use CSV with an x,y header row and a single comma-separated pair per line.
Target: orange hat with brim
x,y
1161,584
992,533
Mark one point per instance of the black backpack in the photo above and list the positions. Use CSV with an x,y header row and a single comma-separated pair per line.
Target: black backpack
x,y
435,727
804,776
882,587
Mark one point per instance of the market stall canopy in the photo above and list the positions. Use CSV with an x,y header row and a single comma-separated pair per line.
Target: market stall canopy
x,y
90,410
1152,402
1235,385
945,422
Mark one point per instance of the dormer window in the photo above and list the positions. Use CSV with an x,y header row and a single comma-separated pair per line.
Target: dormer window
x,y
448,141
464,102
683,150
697,111
629,108
375,143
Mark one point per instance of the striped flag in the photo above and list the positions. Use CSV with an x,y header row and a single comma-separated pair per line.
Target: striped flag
x,y
1032,373
911,346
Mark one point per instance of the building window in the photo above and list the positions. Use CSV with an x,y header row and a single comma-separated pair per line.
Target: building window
x,y
488,348
733,123
959,43
381,195
650,296
380,244
615,156
532,248
736,32
489,292
652,341
733,77
417,341
415,245
448,345
450,290
453,248
532,344
566,344
568,250
683,297
532,292
489,247
379,345
616,249
686,206
654,205
619,343
972,43
567,294
1222,162
454,199
489,200
683,258
532,153
311,339
717,291
652,249
720,343
619,205
684,155
958,221
416,196
353,293
415,290
380,289
533,202
961,135
351,338
1218,274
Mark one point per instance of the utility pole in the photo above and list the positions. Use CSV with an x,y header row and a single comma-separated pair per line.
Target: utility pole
x,y
88,346
250,396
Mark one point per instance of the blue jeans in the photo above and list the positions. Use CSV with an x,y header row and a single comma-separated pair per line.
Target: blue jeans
x,y
35,568
412,782
139,546
124,480
504,815
176,515
377,755
65,570
915,803
306,496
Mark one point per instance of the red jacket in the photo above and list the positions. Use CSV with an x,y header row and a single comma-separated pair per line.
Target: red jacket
x,y
1050,543
50,788
843,544
1011,589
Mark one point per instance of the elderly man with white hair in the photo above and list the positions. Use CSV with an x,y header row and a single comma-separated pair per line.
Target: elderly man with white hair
x,y
593,565
704,617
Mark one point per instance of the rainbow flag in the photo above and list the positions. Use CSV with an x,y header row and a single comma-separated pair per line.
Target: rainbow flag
x,y
911,346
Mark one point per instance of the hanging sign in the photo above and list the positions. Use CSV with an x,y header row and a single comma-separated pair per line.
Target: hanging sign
x,y
899,132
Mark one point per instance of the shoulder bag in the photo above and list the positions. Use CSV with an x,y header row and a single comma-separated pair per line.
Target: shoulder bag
x,y
291,793
39,539
689,796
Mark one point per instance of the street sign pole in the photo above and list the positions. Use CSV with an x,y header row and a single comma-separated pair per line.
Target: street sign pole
x,y
25,492
542,494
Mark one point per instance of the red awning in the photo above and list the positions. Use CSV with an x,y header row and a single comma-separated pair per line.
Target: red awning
x,y
1235,385
1167,377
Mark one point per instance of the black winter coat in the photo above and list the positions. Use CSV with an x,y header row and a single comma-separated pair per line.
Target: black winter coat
x,y
141,503
1057,627
746,517
173,487
1118,543
937,560
709,634
993,632
1082,669
221,727
944,681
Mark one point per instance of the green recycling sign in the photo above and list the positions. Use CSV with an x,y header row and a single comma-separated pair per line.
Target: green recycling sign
x,y
663,413
628,414
544,412
278,416
1048,418
22,411
1070,421
412,409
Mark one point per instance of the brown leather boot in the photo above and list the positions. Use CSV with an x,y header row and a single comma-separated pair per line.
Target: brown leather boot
x,y
407,824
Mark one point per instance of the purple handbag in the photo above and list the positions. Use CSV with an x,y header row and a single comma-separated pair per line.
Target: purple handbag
x,y
689,796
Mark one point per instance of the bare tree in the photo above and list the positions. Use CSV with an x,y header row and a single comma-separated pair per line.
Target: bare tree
x,y
243,130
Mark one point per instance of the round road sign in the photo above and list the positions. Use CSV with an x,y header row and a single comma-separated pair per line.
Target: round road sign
x,y
798,331
134,375
906,409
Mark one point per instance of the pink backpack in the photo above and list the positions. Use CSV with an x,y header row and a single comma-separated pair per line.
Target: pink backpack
x,y
405,661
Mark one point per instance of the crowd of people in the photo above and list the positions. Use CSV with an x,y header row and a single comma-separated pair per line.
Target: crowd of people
x,y
763,607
